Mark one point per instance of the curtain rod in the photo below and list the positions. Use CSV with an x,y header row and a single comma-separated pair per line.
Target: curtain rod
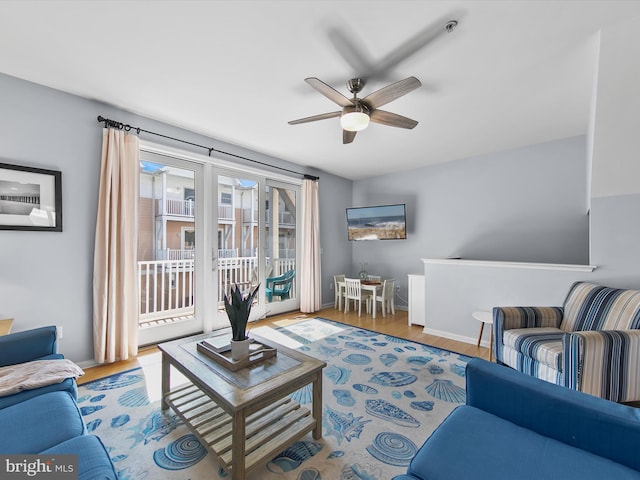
x,y
127,127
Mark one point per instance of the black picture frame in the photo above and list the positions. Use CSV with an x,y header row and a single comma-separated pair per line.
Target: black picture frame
x,y
30,198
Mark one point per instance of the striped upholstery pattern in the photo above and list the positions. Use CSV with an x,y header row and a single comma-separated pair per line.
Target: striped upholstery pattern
x,y
594,307
604,363
591,343
534,368
508,318
543,345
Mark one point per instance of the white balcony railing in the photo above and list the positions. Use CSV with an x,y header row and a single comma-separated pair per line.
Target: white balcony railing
x,y
177,208
172,254
225,212
167,288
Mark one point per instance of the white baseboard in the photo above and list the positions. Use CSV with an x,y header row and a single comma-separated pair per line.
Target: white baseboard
x,y
398,307
453,336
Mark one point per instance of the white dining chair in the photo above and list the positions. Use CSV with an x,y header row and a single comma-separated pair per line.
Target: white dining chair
x,y
337,290
353,291
386,297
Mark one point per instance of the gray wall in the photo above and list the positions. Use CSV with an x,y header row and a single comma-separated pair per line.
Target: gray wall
x,y
454,291
615,240
46,277
615,202
335,197
524,205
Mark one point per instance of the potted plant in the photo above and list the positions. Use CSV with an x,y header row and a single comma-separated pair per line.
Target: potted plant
x,y
238,309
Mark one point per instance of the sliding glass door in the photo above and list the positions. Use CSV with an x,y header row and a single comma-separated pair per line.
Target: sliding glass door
x,y
203,228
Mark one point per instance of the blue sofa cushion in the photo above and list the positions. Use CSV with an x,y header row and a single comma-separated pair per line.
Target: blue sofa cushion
x,y
472,444
583,421
93,461
39,423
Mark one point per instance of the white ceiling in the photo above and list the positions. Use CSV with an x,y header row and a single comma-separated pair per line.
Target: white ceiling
x,y
513,73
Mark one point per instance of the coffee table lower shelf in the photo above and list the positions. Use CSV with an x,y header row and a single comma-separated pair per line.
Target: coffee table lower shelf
x,y
267,431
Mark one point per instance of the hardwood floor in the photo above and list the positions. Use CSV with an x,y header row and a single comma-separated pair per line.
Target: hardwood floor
x,y
396,325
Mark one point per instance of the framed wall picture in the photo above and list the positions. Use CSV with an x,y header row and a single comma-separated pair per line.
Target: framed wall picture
x,y
30,198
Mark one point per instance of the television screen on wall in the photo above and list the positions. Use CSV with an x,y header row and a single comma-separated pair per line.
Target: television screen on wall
x,y
382,222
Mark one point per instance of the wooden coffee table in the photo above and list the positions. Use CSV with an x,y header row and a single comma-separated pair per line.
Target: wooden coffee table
x,y
244,417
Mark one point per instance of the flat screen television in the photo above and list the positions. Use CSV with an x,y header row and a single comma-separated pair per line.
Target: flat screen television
x,y
381,222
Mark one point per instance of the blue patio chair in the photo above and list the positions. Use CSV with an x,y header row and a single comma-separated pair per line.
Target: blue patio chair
x,y
280,286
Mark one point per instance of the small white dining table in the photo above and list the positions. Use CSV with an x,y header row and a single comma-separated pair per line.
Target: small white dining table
x,y
373,287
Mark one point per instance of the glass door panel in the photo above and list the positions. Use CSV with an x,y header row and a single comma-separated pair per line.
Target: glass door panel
x,y
238,241
167,233
281,253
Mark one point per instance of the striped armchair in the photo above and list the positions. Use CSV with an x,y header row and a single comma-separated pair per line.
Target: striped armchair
x,y
590,344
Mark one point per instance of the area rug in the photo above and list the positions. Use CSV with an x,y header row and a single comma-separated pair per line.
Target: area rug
x,y
382,397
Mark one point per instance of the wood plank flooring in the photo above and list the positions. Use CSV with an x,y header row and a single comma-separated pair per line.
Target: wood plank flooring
x,y
396,325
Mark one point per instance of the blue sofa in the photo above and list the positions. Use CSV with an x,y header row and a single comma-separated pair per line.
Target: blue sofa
x,y
47,420
514,426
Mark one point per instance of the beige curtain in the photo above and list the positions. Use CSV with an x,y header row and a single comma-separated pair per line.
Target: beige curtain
x,y
115,287
310,279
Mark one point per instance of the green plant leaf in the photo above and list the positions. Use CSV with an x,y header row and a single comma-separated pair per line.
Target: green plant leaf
x,y
238,309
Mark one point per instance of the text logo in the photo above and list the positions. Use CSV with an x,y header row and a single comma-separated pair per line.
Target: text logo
x,y
26,467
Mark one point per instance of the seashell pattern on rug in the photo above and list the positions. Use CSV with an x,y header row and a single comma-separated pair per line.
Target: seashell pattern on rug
x,y
393,448
387,411
393,379
446,390
293,456
382,396
180,454
357,359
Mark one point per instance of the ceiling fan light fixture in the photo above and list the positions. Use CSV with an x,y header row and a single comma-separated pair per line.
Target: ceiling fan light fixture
x,y
354,118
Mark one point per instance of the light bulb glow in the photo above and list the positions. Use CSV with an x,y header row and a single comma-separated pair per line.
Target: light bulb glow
x,y
354,121
354,118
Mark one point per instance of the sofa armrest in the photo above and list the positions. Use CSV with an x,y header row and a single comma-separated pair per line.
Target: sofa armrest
x,y
68,385
593,424
527,317
603,363
21,347
508,318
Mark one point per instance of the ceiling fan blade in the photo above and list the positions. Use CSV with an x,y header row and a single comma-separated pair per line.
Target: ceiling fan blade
x,y
329,92
348,136
315,118
391,119
391,92
416,43
351,50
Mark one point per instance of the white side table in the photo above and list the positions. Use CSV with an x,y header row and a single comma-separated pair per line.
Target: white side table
x,y
485,317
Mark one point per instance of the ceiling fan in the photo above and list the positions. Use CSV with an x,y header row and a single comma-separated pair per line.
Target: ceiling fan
x,y
357,112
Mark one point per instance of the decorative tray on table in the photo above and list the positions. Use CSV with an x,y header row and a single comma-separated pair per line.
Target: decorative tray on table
x,y
258,352
370,282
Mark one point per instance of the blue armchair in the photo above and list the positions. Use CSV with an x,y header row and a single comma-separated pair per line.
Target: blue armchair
x,y
280,286
37,344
